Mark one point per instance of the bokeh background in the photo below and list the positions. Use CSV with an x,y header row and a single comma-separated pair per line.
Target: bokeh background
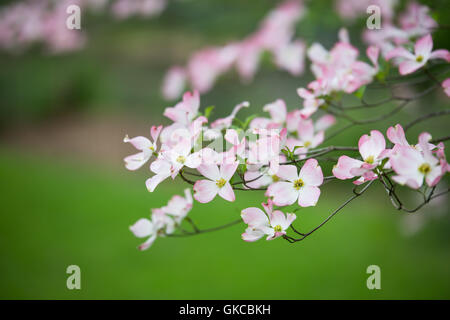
x,y
66,197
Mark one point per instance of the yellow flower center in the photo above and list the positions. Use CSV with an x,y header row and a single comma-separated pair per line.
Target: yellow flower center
x,y
298,184
275,178
307,144
419,58
369,160
220,183
424,168
181,159
278,228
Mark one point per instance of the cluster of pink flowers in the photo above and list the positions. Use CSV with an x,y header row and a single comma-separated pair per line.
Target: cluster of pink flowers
x,y
255,156
276,153
413,164
275,35
25,23
337,70
414,22
44,21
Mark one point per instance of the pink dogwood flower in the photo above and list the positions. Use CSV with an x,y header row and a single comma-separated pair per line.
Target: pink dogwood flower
x,y
313,97
274,224
372,149
422,53
278,115
302,187
266,150
162,169
160,225
178,207
416,20
414,166
258,176
185,111
218,183
147,148
180,155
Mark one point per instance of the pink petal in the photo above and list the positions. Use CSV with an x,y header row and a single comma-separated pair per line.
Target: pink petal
x,y
306,130
441,54
227,192
288,173
137,160
140,143
283,193
194,160
205,191
254,217
373,52
147,244
308,196
407,67
372,145
311,173
251,234
232,136
227,170
290,217
344,166
406,161
446,86
433,177
325,122
277,218
142,228
154,181
176,115
174,82
413,182
209,171
318,139
155,131
292,120
305,94
424,46
277,110
191,102
396,135
400,52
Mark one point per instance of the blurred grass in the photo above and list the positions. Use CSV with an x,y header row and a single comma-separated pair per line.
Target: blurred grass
x,y
57,213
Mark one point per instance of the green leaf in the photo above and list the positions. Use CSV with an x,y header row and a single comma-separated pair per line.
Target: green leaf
x,y
208,111
360,92
247,121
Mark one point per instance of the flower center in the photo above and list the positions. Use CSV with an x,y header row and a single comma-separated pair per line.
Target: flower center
x,y
220,183
369,160
275,178
424,168
307,144
298,184
181,159
278,228
419,58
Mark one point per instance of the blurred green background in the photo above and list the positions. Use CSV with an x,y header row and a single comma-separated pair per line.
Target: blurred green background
x,y
67,199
